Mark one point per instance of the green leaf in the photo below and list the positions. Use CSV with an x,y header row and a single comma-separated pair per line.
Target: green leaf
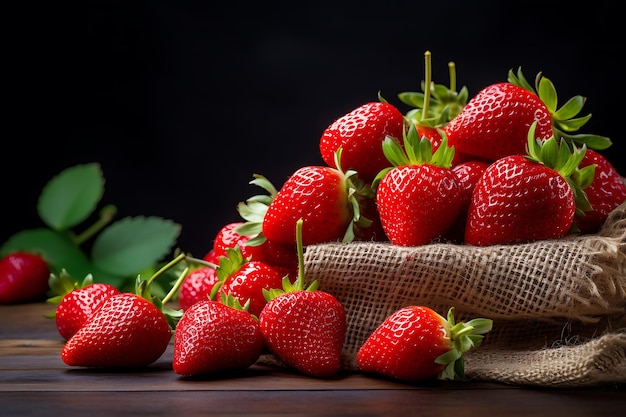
x,y
60,253
133,244
70,197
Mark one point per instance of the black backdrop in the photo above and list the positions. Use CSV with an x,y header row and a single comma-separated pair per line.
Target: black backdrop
x,y
182,101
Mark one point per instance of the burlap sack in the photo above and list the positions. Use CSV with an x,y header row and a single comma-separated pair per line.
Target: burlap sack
x,y
558,306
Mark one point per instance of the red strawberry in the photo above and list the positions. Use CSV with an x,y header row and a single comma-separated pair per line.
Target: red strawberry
x,y
360,134
76,301
246,280
216,336
23,278
495,122
127,331
416,343
419,198
305,328
197,286
323,197
605,193
467,173
228,237
526,198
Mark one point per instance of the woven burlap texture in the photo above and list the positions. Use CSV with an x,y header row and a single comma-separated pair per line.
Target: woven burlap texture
x,y
557,306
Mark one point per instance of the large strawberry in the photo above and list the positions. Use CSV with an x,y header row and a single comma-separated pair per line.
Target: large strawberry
x,y
527,198
495,122
360,134
605,193
304,327
214,336
326,198
23,278
76,301
129,330
418,198
416,343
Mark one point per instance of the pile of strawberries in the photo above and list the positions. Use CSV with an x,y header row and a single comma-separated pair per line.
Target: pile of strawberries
x,y
504,167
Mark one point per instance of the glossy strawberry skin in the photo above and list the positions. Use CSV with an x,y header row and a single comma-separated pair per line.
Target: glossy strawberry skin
x,y
306,330
23,278
495,122
360,134
197,286
127,331
227,238
248,283
417,203
468,173
605,193
77,306
213,337
516,201
406,345
316,194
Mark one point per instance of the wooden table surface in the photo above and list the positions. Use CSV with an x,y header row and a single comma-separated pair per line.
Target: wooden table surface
x,y
35,382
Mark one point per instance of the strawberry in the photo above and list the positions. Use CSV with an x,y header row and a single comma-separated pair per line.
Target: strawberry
x,y
197,286
326,198
605,193
467,174
245,280
360,134
527,198
228,237
495,122
23,278
416,343
214,336
418,198
76,302
304,327
128,330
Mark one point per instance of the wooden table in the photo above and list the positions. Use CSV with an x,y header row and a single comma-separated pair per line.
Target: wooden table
x,y
34,381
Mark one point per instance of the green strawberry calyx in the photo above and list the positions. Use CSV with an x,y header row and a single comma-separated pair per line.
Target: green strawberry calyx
x,y
558,156
416,152
564,120
438,104
463,337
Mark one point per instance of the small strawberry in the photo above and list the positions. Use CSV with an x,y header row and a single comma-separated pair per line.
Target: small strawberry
x,y
605,193
305,328
23,278
245,280
495,122
416,343
527,198
128,330
214,336
467,173
76,302
197,286
360,134
418,198
228,237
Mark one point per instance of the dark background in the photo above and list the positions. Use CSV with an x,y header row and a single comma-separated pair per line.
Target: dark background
x,y
182,101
